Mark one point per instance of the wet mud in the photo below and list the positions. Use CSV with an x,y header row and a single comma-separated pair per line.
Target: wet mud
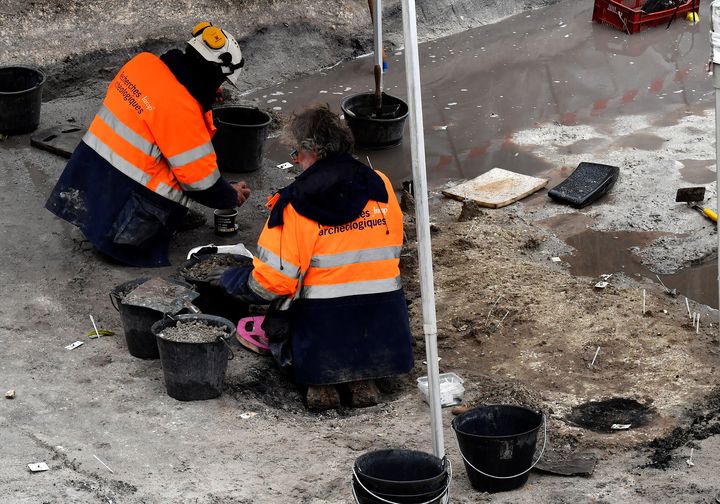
x,y
600,416
702,420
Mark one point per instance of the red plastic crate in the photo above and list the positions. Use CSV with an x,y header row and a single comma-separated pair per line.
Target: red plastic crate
x,y
626,15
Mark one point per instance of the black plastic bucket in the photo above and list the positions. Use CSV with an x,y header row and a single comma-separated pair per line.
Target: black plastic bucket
x,y
497,443
400,476
194,371
214,300
374,133
240,138
225,224
137,321
20,99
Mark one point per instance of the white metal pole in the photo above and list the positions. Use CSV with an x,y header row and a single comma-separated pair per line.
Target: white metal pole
x,y
377,26
422,221
714,47
716,83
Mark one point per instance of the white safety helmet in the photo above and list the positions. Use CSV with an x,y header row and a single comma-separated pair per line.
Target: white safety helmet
x,y
217,46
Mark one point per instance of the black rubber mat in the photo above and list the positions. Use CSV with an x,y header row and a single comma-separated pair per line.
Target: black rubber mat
x,y
586,184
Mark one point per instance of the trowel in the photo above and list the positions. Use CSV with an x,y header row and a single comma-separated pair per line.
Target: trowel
x,y
163,296
693,195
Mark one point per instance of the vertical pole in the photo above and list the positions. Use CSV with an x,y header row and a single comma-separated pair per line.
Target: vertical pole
x,y
377,29
715,27
716,84
422,221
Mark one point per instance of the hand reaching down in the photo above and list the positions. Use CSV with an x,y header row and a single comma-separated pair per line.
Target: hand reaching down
x,y
242,190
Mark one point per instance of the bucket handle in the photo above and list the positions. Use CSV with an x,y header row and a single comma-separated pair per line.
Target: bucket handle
x,y
445,492
516,475
113,303
232,354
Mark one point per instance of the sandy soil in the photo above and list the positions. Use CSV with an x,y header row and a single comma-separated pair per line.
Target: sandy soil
x,y
516,326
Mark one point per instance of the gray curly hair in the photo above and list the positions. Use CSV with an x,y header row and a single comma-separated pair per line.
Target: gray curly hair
x,y
317,129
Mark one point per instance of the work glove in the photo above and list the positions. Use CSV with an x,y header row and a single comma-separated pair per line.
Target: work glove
x,y
214,278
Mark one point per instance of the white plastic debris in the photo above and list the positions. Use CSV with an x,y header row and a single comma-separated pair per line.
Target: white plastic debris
x,y
73,346
451,389
38,467
617,426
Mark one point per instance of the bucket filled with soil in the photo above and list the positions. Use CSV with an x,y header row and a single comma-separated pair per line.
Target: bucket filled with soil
x,y
213,299
194,354
137,321
240,138
400,476
497,444
373,127
20,99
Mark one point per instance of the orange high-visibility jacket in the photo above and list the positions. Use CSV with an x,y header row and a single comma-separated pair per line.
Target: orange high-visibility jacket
x,y
147,145
360,257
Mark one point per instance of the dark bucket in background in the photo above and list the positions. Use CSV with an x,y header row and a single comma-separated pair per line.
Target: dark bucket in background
x,y
401,476
194,371
240,138
369,132
497,440
225,224
20,99
137,321
214,300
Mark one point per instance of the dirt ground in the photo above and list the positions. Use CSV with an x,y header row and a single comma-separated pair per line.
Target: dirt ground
x,y
514,324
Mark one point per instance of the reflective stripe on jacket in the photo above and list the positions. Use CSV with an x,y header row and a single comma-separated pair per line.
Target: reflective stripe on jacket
x,y
360,257
151,129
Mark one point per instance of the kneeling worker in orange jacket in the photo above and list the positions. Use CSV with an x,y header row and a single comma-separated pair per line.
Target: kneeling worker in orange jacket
x,y
332,245
148,151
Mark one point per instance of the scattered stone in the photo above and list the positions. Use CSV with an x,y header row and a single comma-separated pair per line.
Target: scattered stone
x,y
10,394
210,263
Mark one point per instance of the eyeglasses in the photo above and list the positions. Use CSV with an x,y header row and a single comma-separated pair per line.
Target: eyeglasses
x,y
294,154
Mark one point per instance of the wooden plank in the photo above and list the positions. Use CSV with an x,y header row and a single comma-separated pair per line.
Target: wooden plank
x,y
60,140
496,188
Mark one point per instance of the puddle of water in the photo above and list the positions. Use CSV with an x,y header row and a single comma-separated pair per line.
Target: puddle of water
x,y
642,141
551,65
698,171
480,86
601,252
699,283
